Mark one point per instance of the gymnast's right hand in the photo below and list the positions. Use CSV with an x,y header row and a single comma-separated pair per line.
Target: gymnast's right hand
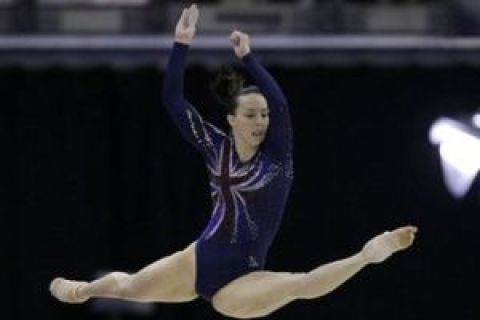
x,y
186,25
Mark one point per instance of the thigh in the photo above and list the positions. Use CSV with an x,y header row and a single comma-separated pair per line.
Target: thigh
x,y
257,294
170,279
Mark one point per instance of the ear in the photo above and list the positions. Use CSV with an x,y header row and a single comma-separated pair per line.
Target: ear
x,y
231,120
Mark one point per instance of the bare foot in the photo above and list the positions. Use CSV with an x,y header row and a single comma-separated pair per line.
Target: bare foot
x,y
383,246
67,290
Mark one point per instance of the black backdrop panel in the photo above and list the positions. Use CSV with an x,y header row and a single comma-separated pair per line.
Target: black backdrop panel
x,y
94,176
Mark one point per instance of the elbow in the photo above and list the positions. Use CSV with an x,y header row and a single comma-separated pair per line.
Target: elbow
x,y
282,105
173,103
279,101
282,100
171,96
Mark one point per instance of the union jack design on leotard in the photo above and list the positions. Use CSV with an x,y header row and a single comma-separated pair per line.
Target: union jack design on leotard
x,y
230,182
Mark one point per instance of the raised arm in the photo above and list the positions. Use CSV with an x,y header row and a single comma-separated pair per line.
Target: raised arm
x,y
279,137
194,129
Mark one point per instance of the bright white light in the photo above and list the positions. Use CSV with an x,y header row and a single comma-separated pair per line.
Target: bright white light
x,y
476,120
457,183
445,129
460,154
463,152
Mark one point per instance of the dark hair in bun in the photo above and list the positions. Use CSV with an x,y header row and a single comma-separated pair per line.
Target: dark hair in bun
x,y
228,86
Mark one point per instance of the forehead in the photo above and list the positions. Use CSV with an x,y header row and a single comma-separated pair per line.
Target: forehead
x,y
252,101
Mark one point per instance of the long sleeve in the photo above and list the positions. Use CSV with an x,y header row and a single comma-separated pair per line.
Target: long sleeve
x,y
201,134
279,137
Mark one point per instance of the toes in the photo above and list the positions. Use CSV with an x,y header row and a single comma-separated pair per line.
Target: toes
x,y
404,236
54,284
407,236
411,229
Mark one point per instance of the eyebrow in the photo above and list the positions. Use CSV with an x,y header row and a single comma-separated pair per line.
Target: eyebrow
x,y
255,109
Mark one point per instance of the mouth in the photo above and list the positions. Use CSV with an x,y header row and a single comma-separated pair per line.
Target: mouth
x,y
258,134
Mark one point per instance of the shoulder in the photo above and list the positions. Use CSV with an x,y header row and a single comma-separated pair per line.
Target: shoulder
x,y
280,164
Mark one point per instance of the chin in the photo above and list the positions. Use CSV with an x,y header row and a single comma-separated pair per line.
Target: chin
x,y
257,143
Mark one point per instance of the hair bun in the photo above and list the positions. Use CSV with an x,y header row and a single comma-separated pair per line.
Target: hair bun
x,y
226,85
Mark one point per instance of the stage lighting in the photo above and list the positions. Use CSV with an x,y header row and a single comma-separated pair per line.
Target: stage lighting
x,y
459,147
476,120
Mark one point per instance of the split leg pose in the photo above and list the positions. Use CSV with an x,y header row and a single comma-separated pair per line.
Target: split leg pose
x,y
257,294
250,171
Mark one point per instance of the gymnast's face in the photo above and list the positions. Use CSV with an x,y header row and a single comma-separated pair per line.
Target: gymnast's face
x,y
250,121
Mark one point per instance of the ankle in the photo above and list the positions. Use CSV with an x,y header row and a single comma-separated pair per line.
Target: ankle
x,y
79,291
362,258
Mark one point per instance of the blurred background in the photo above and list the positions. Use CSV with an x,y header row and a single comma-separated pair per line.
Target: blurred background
x,y
94,176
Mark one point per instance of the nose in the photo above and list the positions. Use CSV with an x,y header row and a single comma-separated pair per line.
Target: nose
x,y
260,120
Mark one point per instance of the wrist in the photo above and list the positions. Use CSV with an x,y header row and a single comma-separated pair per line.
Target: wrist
x,y
245,53
183,40
246,56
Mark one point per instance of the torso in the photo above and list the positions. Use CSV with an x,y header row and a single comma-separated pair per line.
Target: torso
x,y
248,203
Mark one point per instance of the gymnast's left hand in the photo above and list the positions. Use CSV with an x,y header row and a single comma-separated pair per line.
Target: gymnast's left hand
x,y
241,43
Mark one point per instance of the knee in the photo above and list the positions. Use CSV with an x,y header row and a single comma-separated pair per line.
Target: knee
x,y
248,310
261,301
230,307
235,311
297,283
123,283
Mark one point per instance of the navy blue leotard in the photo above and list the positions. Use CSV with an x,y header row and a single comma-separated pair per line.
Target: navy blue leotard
x,y
248,197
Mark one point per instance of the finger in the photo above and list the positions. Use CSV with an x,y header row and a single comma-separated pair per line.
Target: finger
x,y
409,228
234,34
243,36
412,230
193,8
181,20
235,38
186,18
182,15
194,14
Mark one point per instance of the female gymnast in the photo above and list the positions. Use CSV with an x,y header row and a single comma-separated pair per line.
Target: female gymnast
x,y
250,172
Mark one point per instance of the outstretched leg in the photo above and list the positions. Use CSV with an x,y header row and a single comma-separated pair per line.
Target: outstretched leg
x,y
171,279
259,293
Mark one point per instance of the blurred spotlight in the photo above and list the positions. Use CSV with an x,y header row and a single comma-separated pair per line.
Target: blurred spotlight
x,y
476,120
459,147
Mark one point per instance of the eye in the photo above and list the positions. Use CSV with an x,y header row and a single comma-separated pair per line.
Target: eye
x,y
250,116
265,115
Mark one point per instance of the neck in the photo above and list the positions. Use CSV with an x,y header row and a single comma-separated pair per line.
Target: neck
x,y
244,151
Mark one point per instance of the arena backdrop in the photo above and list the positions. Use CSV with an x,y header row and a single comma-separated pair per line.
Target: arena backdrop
x,y
95,177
